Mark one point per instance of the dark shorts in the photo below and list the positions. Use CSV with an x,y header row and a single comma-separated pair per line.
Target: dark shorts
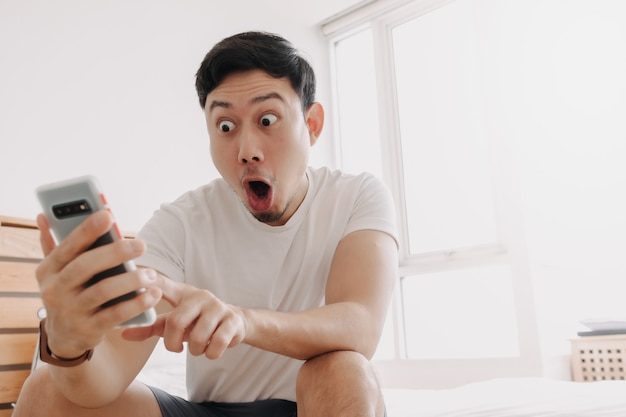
x,y
172,406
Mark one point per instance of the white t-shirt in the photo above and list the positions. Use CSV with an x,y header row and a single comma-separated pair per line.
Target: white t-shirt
x,y
208,239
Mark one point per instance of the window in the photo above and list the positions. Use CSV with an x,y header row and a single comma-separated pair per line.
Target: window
x,y
442,132
413,108
355,80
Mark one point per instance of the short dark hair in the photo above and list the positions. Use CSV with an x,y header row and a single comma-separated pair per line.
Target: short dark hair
x,y
256,50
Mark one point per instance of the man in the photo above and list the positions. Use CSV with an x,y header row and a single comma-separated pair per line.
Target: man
x,y
277,276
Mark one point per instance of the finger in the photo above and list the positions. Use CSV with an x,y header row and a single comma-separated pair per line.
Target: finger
x,y
114,287
121,312
220,340
228,334
77,241
80,270
172,290
203,331
138,334
178,325
45,237
198,338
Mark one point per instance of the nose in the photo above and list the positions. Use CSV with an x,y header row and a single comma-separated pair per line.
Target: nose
x,y
250,149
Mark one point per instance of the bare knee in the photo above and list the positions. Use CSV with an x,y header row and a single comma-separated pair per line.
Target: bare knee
x,y
334,366
38,396
338,383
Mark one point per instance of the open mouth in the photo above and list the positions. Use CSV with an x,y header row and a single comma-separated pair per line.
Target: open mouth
x,y
259,195
259,188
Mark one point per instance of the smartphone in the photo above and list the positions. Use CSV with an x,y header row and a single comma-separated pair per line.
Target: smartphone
x,y
68,203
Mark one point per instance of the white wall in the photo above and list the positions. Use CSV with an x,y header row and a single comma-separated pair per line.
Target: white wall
x,y
107,88
558,98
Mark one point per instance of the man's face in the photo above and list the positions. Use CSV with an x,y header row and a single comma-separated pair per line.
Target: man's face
x,y
260,142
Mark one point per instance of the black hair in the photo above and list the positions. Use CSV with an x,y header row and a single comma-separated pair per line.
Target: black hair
x,y
256,50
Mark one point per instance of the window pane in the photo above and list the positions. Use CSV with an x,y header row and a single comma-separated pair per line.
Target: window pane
x,y
358,111
466,313
445,156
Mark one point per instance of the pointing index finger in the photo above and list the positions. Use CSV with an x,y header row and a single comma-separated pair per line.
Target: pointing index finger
x,y
172,291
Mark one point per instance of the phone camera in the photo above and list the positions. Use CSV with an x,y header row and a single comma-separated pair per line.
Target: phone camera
x,y
74,208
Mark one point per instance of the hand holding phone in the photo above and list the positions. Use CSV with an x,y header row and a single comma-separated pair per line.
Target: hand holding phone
x,y
68,203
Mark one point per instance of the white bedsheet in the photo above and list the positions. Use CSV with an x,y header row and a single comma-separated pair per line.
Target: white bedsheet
x,y
508,397
513,397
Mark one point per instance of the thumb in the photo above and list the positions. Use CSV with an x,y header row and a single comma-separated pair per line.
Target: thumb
x,y
138,334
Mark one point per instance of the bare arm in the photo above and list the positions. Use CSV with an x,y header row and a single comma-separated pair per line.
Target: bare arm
x,y
358,291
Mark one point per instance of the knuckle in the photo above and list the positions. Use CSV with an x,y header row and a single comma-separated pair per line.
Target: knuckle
x,y
176,323
98,293
48,298
41,271
220,341
205,295
197,339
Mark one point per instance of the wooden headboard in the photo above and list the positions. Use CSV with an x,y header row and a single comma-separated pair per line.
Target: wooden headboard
x,y
19,301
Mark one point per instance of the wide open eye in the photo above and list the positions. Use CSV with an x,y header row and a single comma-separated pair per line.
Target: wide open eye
x,y
225,126
268,119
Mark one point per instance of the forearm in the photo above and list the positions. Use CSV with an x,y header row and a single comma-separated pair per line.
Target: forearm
x,y
102,379
306,334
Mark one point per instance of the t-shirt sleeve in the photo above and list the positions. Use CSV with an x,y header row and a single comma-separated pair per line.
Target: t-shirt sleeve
x,y
165,237
373,209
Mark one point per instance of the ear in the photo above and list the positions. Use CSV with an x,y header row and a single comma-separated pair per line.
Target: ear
x,y
315,121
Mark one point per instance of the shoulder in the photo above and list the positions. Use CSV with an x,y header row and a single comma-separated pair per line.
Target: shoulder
x,y
194,206
205,198
363,199
325,178
216,188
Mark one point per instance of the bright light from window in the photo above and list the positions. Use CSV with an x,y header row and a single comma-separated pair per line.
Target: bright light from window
x,y
358,110
445,166
448,187
460,314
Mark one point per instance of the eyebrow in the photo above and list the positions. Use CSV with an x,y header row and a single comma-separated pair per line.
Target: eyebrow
x,y
217,103
255,100
265,97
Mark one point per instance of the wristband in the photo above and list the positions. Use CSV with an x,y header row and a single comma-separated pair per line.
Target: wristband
x,y
46,355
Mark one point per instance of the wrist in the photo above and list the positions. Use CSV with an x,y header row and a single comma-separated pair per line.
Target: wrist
x,y
46,355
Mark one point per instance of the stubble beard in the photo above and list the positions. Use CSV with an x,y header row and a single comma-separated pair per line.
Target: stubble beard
x,y
269,217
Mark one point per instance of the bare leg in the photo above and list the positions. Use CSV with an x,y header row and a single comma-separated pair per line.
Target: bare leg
x,y
339,384
39,397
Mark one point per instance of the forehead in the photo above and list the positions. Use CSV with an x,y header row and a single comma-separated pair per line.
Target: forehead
x,y
250,87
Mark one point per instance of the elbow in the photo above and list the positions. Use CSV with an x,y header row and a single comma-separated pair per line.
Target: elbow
x,y
367,334
368,346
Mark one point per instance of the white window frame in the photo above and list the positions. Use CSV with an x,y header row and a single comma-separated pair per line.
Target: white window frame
x,y
381,16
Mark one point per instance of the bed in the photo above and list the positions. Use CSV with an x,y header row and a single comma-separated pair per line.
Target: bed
x,y
510,397
513,397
